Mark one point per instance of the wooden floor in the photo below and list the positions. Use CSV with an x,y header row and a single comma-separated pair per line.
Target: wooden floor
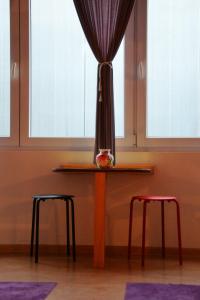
x,y
80,280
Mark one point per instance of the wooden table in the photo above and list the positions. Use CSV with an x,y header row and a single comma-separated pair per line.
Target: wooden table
x,y
100,193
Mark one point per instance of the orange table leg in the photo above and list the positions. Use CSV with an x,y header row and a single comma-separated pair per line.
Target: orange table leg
x,y
99,220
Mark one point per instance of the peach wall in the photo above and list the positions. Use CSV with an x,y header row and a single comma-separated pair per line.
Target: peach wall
x,y
24,173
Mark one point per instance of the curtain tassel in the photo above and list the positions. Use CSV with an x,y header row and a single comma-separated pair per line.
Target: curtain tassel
x,y
100,81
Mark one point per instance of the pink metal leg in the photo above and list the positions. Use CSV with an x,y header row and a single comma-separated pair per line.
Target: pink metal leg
x,y
179,232
143,231
163,228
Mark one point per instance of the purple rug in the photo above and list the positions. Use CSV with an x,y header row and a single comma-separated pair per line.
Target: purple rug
x,y
25,290
144,291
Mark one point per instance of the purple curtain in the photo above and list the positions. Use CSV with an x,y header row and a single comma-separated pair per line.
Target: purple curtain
x,y
104,23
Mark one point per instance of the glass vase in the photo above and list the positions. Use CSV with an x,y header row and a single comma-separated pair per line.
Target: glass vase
x,y
104,159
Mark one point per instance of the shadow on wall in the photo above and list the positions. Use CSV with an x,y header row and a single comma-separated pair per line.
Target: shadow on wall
x,y
121,190
16,208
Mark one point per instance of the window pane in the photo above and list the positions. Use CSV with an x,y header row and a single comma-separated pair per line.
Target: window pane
x,y
5,68
173,68
63,74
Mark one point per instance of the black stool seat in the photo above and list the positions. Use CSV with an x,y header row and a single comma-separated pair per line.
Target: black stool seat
x,y
52,196
36,216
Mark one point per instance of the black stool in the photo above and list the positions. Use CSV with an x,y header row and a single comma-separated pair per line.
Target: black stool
x,y
36,214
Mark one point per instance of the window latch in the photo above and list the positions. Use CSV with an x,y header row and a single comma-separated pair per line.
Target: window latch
x,y
14,71
141,70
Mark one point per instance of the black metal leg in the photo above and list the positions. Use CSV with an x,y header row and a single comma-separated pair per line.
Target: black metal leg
x,y
67,227
33,227
37,230
73,230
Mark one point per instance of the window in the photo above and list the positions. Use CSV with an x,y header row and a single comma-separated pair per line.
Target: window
x,y
9,63
168,83
5,69
156,76
61,72
48,78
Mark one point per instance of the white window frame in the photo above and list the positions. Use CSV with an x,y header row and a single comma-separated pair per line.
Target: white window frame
x,y
161,144
72,143
13,140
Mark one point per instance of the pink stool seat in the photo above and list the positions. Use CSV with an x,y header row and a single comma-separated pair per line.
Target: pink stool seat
x,y
147,199
155,198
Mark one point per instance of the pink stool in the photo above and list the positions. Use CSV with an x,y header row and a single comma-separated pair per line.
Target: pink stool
x,y
162,200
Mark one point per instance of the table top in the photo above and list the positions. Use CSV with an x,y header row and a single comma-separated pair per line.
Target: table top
x,y
91,168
